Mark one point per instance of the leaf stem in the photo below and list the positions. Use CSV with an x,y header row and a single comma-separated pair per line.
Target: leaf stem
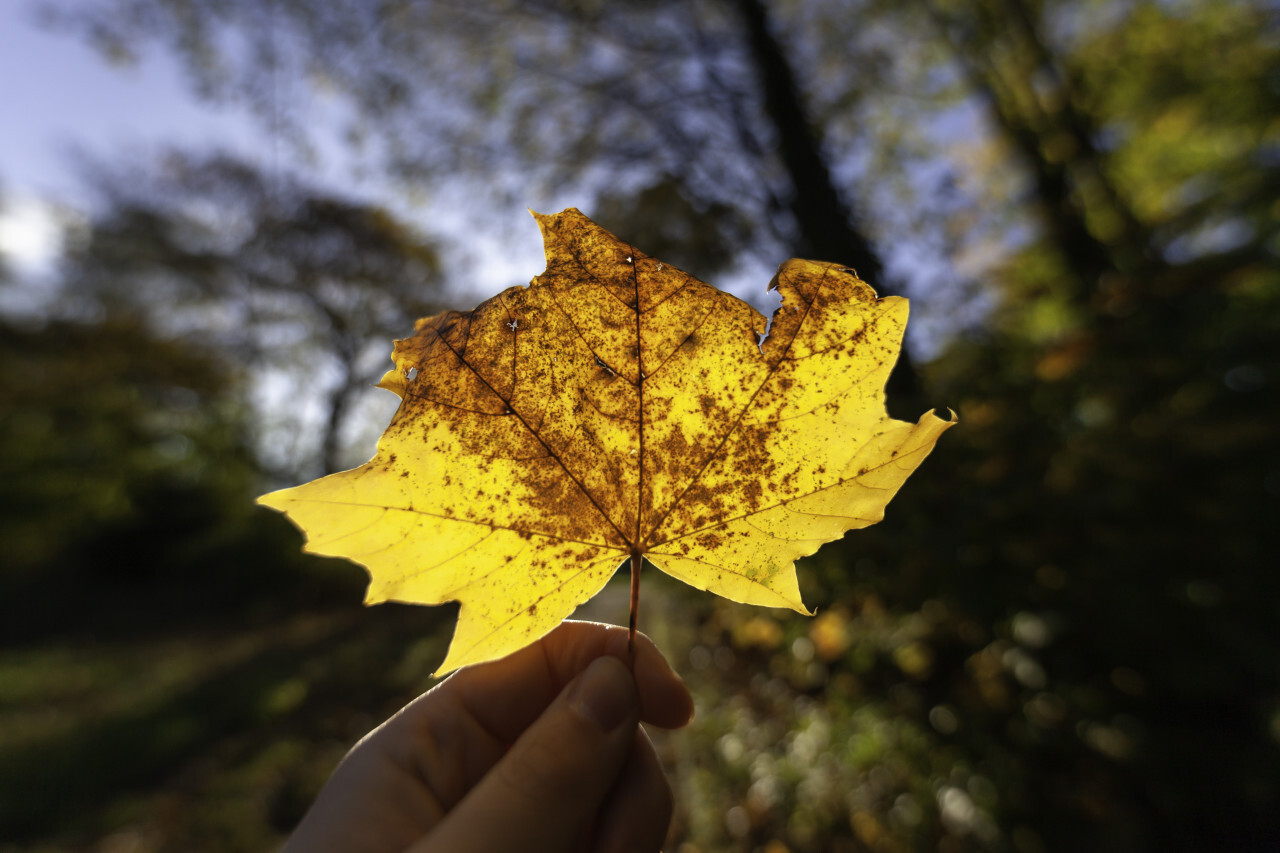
x,y
635,607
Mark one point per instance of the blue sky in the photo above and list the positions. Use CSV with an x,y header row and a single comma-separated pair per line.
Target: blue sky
x,y
59,96
58,92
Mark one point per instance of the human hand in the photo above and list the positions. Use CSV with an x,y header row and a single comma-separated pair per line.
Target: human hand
x,y
540,751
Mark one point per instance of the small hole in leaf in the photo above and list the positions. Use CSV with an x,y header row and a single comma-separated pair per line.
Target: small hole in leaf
x,y
411,374
513,325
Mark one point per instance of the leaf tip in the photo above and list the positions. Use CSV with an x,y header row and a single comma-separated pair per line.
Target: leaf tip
x,y
373,594
934,418
394,381
272,500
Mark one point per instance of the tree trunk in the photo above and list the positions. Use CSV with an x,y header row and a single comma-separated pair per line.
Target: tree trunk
x,y
827,227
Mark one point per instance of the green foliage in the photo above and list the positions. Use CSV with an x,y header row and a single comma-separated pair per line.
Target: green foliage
x,y
125,478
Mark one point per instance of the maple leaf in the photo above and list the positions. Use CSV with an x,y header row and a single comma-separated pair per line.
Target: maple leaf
x,y
614,409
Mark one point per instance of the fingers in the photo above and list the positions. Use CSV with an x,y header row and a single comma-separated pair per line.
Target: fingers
x,y
637,813
554,778
664,698
527,753
506,696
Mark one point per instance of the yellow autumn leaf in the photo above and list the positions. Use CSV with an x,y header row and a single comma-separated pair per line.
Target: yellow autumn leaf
x,y
615,408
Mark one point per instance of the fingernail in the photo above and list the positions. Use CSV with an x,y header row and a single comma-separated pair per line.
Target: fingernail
x,y
604,693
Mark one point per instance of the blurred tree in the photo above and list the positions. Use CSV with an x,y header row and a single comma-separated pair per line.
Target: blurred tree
x,y
1097,627
152,614
519,99
299,290
125,477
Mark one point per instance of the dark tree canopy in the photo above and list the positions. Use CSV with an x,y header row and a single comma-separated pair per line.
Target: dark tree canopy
x,y
298,285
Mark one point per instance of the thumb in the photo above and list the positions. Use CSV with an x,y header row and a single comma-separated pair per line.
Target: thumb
x,y
553,780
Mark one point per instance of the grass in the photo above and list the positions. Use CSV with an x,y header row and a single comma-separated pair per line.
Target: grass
x,y
218,737
208,740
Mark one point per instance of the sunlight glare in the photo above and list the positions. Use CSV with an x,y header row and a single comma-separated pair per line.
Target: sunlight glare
x,y
31,234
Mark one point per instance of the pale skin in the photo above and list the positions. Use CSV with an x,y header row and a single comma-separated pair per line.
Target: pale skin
x,y
541,751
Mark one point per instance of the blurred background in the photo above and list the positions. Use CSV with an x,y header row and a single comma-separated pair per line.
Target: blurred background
x,y
215,217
